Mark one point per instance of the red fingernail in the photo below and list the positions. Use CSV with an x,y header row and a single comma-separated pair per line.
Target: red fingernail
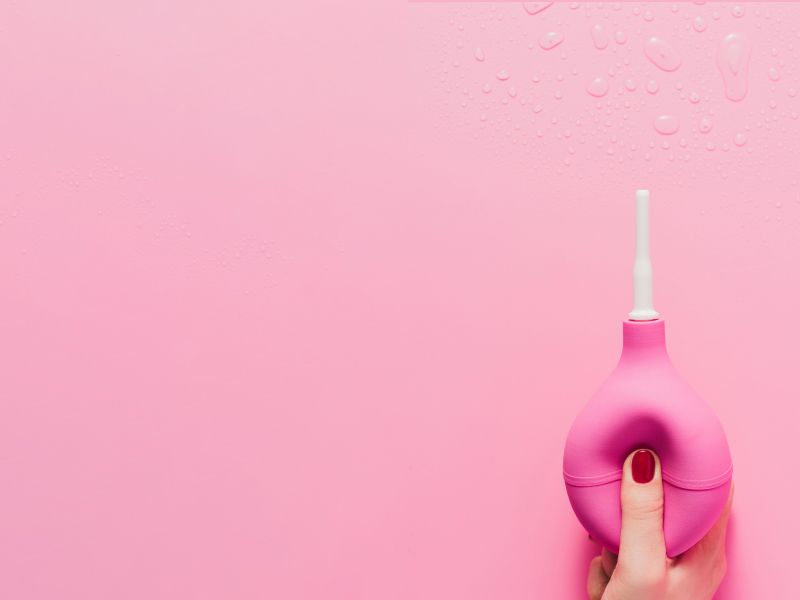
x,y
643,466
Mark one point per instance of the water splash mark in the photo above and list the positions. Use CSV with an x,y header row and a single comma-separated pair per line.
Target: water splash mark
x,y
733,61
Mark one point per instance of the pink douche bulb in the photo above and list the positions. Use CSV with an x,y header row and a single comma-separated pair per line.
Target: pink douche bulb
x,y
644,403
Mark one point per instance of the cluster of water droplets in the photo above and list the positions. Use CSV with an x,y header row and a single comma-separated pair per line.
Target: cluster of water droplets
x,y
643,74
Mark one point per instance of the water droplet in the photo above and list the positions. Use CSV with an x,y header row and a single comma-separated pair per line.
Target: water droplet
x,y
503,74
512,91
479,55
661,54
666,124
620,37
710,146
486,88
537,108
694,97
551,39
737,10
733,60
699,24
774,74
558,95
652,86
534,8
598,87
705,125
740,139
599,37
630,85
648,15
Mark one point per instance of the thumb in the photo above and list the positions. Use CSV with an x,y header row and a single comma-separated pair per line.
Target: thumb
x,y
641,547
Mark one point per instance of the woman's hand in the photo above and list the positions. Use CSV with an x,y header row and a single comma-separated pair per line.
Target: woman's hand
x,y
642,570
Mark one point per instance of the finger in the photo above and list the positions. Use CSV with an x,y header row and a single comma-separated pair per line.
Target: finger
x,y
609,561
713,543
642,547
598,580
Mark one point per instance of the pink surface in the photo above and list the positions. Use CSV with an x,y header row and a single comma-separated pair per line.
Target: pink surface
x,y
645,403
291,307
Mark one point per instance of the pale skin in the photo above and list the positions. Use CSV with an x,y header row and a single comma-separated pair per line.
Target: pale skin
x,y
642,570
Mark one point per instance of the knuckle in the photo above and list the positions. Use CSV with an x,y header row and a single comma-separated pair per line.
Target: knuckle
x,y
645,509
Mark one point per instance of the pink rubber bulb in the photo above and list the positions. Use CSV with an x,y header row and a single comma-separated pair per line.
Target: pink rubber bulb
x,y
645,403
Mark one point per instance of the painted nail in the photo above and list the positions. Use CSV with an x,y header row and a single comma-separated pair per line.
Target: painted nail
x,y
643,466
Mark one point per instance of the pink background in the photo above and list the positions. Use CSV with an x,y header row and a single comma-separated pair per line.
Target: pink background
x,y
293,309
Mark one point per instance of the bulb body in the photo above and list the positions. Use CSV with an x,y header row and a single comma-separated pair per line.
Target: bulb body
x,y
645,403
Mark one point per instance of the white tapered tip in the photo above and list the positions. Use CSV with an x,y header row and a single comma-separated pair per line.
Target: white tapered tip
x,y
642,268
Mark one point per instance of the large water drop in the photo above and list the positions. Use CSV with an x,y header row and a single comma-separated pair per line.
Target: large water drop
x,y
551,39
534,8
662,54
599,37
699,24
597,87
733,61
666,124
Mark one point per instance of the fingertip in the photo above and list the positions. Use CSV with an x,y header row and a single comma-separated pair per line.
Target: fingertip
x,y
641,467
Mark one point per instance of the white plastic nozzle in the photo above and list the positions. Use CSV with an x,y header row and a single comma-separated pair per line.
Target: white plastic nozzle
x,y
642,268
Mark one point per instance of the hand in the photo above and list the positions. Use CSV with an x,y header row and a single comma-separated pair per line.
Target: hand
x,y
642,570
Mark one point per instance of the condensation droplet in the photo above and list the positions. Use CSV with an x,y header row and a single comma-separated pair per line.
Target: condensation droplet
x,y
733,61
599,37
737,10
666,124
534,8
512,91
699,24
597,87
662,54
694,97
705,125
652,86
486,88
479,54
551,39
774,74
503,74
620,37
740,139
630,85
